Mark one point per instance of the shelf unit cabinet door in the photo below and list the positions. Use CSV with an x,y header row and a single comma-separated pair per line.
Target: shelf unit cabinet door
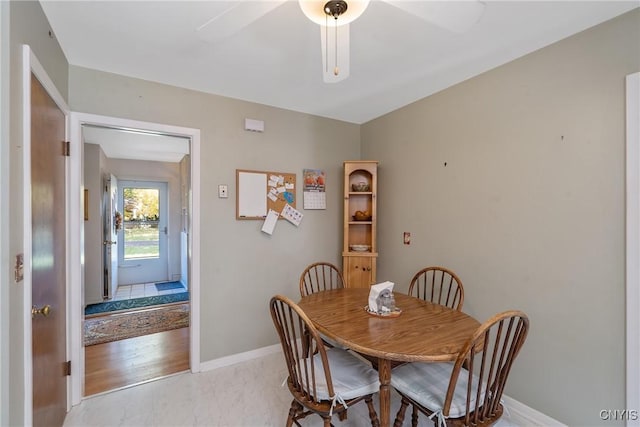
x,y
359,272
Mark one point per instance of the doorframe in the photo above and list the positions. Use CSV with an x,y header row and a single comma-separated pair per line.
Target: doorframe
x,y
30,64
77,237
5,102
633,245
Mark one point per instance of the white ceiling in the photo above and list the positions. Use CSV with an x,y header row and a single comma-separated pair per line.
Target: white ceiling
x,y
136,144
396,58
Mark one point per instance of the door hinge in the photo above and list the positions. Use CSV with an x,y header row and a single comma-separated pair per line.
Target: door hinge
x,y
66,148
67,368
19,268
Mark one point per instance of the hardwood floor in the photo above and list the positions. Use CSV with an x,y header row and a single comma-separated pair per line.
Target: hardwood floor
x,y
122,363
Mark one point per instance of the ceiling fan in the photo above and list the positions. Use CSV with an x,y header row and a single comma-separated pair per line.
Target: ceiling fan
x,y
334,16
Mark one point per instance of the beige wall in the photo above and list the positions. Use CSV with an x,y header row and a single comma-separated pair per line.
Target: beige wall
x,y
94,161
28,25
529,209
241,266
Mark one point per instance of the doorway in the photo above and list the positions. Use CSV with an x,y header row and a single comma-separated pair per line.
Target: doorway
x,y
191,221
137,228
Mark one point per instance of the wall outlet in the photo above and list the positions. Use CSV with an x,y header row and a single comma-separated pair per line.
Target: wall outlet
x,y
222,191
406,237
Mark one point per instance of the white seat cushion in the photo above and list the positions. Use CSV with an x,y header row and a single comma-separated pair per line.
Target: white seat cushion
x,y
351,377
332,342
426,383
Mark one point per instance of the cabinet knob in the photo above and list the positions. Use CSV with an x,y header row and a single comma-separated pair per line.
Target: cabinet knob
x,y
43,310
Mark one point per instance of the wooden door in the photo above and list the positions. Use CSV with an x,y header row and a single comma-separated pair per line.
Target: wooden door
x,y
359,272
48,202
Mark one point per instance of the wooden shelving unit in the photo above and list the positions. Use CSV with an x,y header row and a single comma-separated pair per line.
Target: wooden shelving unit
x,y
359,266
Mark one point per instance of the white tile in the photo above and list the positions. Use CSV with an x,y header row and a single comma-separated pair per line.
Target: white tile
x,y
122,292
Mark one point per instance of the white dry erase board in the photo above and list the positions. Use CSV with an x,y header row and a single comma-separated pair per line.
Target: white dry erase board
x,y
259,191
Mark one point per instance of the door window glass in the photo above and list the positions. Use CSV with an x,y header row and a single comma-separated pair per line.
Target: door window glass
x,y
141,219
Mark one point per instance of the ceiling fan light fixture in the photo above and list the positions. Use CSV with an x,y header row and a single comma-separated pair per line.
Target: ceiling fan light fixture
x,y
347,10
335,8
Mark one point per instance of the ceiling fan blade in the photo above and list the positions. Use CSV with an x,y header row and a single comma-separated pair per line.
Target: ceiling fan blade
x,y
456,16
335,55
234,18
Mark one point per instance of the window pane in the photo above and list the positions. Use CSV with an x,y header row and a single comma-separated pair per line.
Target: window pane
x,y
141,233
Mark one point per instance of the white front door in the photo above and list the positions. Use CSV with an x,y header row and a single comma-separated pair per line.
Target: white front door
x,y
110,236
142,239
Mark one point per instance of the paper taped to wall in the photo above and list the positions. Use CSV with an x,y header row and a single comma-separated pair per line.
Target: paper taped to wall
x,y
270,222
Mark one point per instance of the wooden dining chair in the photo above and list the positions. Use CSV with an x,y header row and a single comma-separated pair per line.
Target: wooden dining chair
x,y
438,285
320,276
467,392
322,380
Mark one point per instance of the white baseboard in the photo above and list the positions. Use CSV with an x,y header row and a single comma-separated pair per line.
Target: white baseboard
x,y
515,408
528,414
240,357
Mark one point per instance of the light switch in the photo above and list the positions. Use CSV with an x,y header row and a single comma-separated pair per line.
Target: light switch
x,y
222,191
406,237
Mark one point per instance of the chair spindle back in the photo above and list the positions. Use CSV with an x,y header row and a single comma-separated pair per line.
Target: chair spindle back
x,y
438,285
300,342
487,359
320,276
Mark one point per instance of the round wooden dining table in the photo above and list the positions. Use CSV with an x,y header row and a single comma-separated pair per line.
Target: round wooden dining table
x,y
423,332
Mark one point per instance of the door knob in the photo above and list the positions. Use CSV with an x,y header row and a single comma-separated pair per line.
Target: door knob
x,y
109,242
44,310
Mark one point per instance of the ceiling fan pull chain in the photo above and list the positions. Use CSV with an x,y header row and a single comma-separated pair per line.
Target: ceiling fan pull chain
x,y
334,8
326,43
336,70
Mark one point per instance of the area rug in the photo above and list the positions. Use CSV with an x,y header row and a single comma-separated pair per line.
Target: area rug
x,y
169,286
114,327
130,304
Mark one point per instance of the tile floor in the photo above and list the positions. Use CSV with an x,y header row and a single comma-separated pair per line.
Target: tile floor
x,y
248,394
141,290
